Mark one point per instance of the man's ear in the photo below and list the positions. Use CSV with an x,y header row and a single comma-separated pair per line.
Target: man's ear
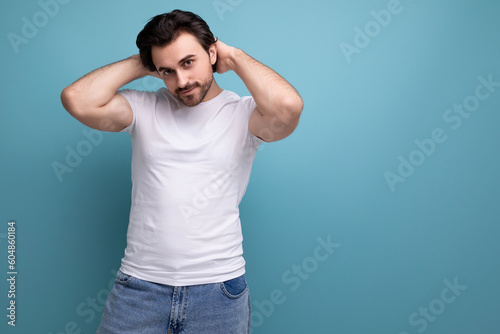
x,y
212,51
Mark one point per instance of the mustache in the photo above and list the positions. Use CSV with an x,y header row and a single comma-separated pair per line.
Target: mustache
x,y
186,88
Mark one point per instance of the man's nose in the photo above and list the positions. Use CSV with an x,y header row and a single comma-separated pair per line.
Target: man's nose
x,y
182,79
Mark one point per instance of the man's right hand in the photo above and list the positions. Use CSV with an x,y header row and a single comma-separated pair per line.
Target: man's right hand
x,y
93,99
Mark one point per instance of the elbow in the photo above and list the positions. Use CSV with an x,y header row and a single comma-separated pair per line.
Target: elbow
x,y
68,98
291,108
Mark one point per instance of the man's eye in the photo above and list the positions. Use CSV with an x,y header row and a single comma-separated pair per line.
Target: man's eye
x,y
188,62
167,72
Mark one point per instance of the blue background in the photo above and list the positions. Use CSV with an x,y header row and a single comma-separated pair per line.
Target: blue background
x,y
395,247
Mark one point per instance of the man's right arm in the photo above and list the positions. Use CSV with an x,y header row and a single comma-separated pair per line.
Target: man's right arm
x,y
94,101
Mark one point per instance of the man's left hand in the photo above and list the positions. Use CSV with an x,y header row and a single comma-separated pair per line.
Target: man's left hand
x,y
225,57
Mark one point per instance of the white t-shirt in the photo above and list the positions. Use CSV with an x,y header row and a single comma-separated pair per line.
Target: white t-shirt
x,y
190,170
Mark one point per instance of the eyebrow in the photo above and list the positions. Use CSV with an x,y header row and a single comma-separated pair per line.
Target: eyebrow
x,y
161,69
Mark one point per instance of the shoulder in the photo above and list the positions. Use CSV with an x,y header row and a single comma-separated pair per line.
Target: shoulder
x,y
147,99
135,97
244,102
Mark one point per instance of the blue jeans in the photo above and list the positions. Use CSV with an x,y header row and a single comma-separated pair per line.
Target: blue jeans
x,y
137,306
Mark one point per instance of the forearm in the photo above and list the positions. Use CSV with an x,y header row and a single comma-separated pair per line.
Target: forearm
x,y
98,87
274,96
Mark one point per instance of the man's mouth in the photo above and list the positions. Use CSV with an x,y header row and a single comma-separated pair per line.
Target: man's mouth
x,y
187,91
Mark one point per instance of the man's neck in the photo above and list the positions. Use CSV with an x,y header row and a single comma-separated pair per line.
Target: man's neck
x,y
213,92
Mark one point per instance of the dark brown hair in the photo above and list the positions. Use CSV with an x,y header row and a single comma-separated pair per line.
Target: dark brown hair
x,y
163,29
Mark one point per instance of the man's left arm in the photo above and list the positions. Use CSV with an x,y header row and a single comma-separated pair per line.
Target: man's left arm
x,y
279,105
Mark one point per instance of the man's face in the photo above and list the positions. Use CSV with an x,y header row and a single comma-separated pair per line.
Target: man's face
x,y
186,69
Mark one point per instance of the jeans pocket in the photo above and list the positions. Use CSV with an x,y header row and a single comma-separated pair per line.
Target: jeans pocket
x,y
123,279
234,288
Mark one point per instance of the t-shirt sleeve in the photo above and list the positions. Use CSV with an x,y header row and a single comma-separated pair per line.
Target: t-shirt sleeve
x,y
249,106
142,103
131,96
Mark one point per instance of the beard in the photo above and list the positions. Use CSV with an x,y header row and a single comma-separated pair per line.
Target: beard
x,y
195,97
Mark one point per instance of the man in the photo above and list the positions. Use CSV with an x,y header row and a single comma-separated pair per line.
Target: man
x,y
193,145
